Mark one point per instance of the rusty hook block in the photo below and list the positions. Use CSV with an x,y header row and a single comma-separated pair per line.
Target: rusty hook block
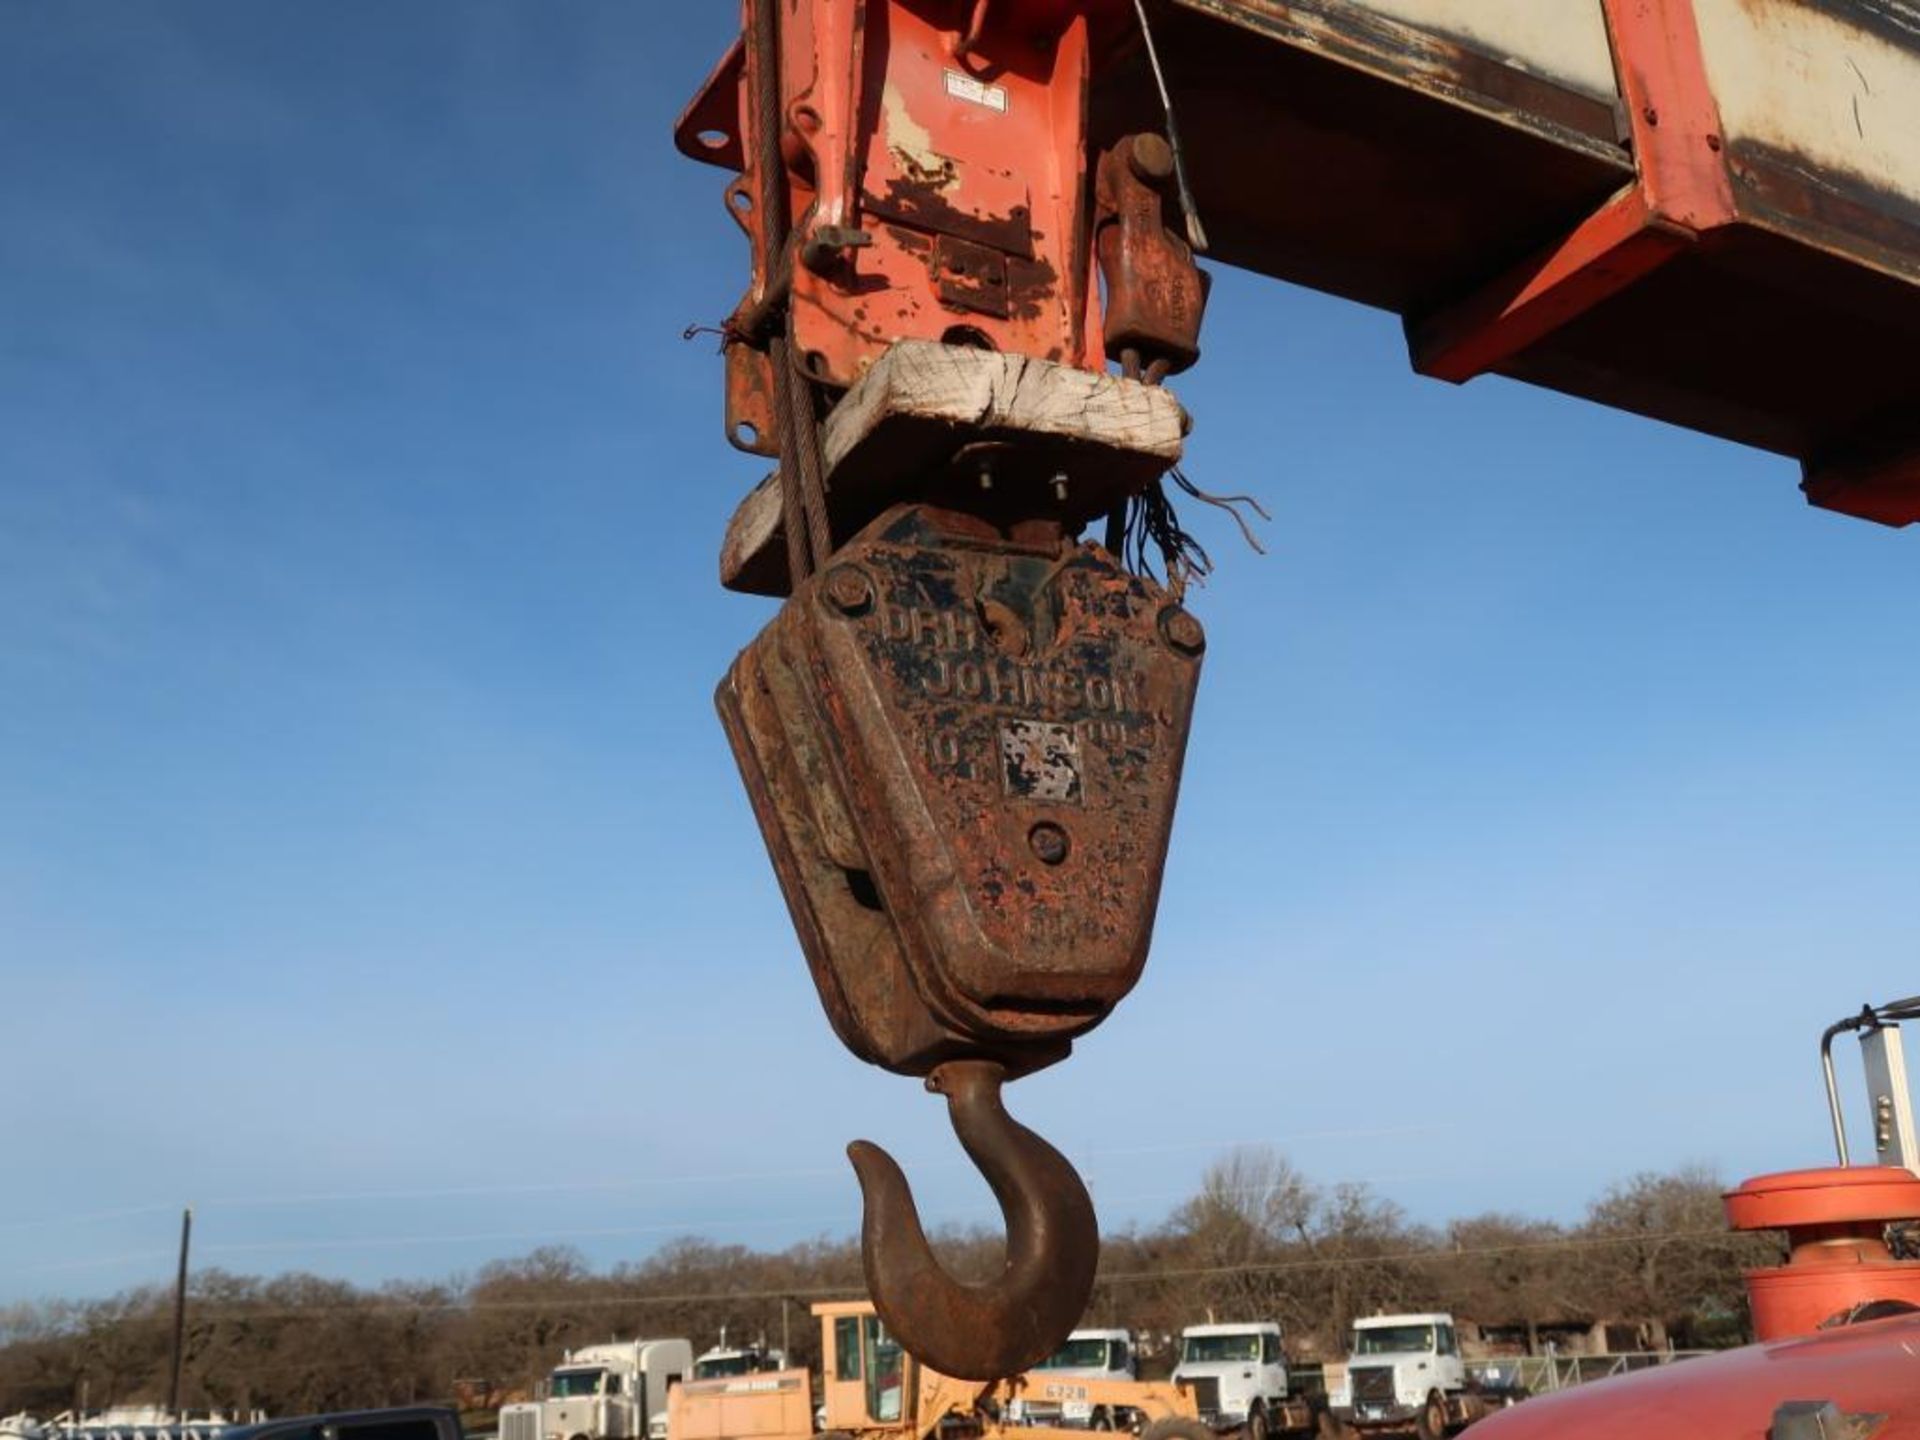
x,y
990,1330
963,751
963,746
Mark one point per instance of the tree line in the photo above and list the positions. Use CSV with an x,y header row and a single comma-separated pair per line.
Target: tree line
x,y
1651,1259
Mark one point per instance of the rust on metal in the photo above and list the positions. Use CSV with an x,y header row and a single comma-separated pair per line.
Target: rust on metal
x,y
923,204
887,142
963,741
909,723
750,406
1451,66
1155,294
970,277
990,1330
1841,209
1031,286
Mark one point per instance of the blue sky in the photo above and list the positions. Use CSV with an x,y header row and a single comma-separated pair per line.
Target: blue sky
x,y
373,874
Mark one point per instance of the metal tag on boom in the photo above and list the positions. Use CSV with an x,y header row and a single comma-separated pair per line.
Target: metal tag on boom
x,y
963,752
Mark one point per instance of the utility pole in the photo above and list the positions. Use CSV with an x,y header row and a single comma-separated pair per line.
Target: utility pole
x,y
179,1316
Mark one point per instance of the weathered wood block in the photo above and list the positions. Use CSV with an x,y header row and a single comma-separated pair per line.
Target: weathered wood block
x,y
898,432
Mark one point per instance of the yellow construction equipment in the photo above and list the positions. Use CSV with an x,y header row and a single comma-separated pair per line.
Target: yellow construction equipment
x,y
872,1389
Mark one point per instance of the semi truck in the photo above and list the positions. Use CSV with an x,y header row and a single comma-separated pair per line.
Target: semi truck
x,y
724,1360
1237,1372
1405,1374
616,1391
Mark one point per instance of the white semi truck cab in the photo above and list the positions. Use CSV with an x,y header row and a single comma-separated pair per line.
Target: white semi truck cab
x,y
1404,1372
616,1391
725,1361
1087,1355
1238,1375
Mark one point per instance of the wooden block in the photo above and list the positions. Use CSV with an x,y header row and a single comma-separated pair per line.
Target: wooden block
x,y
753,552
896,432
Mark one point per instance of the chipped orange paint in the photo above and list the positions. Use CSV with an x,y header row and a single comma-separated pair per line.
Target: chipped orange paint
x,y
915,153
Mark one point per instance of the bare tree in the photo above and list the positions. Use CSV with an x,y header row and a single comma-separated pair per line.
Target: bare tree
x,y
1665,1258
1509,1270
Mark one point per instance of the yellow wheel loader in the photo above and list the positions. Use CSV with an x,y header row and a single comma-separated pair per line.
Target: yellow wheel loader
x,y
872,1389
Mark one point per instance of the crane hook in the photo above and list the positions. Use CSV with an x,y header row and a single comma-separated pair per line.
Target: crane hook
x,y
1004,1326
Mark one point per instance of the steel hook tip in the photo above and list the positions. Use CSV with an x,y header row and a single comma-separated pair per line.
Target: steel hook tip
x,y
1006,1325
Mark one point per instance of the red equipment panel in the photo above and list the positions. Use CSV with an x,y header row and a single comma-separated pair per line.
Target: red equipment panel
x,y
1865,1370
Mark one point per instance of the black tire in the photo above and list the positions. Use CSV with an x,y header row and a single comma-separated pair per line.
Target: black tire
x,y
1257,1422
1176,1427
1431,1422
1101,1419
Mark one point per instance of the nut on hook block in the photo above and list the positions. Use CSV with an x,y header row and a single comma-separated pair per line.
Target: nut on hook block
x,y
1010,1323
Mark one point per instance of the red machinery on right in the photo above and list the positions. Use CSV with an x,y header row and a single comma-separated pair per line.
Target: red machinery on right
x,y
1838,1321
